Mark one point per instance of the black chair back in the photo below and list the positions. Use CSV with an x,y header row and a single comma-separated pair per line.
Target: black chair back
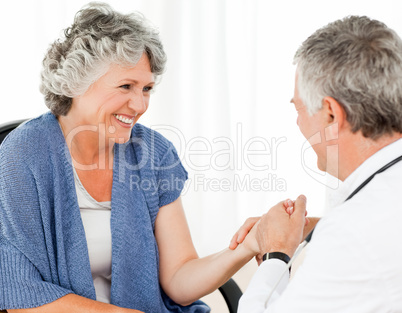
x,y
231,293
6,128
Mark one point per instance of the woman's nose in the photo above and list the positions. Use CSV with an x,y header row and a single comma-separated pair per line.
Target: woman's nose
x,y
138,103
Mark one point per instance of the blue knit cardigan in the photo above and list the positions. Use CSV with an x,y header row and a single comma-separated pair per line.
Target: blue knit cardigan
x,y
43,249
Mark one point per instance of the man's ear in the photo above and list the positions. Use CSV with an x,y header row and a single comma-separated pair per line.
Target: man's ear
x,y
336,117
334,111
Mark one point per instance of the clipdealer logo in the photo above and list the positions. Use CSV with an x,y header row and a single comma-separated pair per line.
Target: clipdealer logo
x,y
236,183
235,163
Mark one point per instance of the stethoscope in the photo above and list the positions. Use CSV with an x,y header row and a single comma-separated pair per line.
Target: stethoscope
x,y
309,236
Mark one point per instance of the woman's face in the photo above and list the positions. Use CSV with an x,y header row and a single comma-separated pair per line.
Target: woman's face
x,y
116,101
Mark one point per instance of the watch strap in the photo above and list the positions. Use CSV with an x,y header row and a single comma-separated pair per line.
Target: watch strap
x,y
276,255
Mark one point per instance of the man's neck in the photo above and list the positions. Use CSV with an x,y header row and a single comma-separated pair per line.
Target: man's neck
x,y
356,149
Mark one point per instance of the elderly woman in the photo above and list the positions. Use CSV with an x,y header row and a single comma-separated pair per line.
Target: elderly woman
x,y
90,210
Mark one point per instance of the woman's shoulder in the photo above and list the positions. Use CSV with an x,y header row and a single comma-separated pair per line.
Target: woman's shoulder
x,y
33,127
31,135
152,139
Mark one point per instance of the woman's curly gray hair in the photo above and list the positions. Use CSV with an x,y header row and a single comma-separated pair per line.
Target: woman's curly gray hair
x,y
358,62
98,37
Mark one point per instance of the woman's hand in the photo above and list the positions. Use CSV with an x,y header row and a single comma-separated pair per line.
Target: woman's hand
x,y
243,231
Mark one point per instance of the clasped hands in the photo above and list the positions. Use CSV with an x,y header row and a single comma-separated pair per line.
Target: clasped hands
x,y
279,230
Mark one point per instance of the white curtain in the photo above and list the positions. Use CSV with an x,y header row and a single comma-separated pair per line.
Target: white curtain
x,y
224,100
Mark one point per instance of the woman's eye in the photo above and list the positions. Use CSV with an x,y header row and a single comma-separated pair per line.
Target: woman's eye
x,y
125,86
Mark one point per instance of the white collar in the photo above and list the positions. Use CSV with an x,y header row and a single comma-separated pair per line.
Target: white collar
x,y
364,171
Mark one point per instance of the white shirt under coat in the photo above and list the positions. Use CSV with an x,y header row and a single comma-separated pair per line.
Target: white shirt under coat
x,y
354,261
96,220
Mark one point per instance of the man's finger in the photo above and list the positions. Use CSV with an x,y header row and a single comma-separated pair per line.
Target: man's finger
x,y
300,205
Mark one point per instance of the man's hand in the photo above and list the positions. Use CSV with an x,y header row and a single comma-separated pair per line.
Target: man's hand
x,y
280,231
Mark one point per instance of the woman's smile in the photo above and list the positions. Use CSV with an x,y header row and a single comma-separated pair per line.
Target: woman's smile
x,y
124,120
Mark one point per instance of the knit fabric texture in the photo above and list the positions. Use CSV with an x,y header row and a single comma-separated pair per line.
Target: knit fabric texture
x,y
43,249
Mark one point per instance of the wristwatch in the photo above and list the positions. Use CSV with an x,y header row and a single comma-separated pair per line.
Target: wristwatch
x,y
276,255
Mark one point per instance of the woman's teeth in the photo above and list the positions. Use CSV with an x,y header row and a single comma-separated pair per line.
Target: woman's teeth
x,y
124,119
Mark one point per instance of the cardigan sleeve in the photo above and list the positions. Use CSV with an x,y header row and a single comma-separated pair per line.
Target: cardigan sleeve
x,y
26,277
171,177
21,285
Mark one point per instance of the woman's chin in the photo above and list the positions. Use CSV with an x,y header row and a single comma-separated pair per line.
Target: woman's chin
x,y
122,139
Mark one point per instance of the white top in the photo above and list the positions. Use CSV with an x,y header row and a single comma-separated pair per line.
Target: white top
x,y
96,220
354,260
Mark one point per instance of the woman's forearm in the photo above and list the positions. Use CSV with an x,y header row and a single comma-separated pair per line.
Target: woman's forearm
x,y
72,303
183,276
199,277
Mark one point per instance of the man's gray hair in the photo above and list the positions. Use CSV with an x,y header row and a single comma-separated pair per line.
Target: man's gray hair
x,y
358,62
98,37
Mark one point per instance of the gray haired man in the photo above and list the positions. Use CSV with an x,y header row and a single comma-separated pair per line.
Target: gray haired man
x,y
348,95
